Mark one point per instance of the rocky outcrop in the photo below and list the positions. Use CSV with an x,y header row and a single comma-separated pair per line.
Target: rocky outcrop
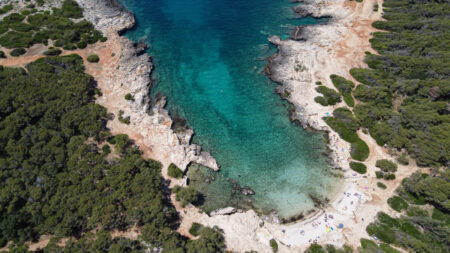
x,y
125,70
316,52
224,211
107,14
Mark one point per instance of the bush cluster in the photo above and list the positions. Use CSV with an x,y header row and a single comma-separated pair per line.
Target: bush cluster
x,y
358,167
403,159
404,92
346,125
186,195
330,96
129,97
381,185
174,171
93,58
53,51
195,229
274,245
345,87
386,165
56,180
29,28
417,232
18,52
397,203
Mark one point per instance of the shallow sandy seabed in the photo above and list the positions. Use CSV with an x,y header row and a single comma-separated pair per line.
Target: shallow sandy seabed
x,y
333,48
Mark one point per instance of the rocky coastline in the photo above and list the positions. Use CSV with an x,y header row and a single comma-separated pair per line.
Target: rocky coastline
x,y
332,48
296,67
132,74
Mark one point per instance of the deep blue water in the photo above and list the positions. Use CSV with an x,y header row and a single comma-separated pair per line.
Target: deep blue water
x,y
209,57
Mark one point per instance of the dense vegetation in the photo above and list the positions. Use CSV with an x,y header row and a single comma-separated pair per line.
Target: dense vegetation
x,y
55,178
174,171
315,248
358,167
346,125
406,90
424,225
186,195
22,30
404,94
93,58
330,96
345,87
386,165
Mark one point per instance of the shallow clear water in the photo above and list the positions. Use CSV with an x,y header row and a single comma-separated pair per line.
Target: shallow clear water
x,y
209,57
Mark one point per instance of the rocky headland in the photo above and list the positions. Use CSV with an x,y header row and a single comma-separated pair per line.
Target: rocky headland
x,y
125,68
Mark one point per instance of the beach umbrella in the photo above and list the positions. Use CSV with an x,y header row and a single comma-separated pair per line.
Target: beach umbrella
x,y
341,226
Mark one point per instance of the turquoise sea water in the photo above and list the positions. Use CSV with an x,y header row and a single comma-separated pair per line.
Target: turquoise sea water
x,y
209,57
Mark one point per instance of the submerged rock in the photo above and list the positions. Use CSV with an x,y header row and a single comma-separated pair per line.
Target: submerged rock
x,y
247,191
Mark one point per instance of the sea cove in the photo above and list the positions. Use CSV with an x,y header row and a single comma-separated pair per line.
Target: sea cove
x,y
209,57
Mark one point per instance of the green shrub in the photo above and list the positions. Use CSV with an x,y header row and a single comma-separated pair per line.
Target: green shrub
x,y
440,216
381,185
98,92
375,7
186,195
70,9
359,150
129,97
82,44
383,232
345,125
403,159
93,58
416,211
274,245
318,83
316,248
25,12
389,176
410,229
174,171
379,174
386,165
348,99
330,96
342,85
397,203
13,18
6,9
18,52
15,39
195,229
122,119
106,149
2,54
70,46
358,167
53,51
371,246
